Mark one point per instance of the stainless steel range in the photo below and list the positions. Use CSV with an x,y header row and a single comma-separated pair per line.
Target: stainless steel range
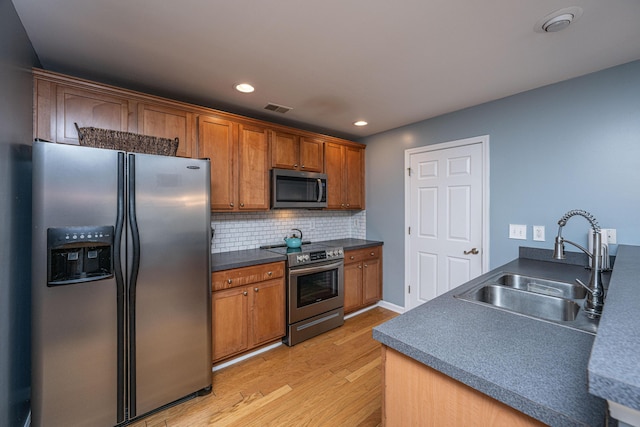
x,y
315,290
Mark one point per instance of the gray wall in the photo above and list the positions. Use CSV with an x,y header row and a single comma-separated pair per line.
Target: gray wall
x,y
16,122
571,145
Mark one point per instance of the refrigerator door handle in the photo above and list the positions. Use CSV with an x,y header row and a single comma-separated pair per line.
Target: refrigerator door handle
x,y
120,290
135,265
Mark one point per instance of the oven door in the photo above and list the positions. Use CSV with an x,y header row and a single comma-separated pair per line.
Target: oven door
x,y
315,290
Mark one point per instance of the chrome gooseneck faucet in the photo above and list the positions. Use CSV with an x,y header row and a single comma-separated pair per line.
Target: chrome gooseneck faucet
x,y
595,298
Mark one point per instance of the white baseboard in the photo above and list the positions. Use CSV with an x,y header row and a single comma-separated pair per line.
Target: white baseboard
x,y
245,356
398,309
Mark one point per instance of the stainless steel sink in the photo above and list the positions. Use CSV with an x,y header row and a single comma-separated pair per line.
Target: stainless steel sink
x,y
541,299
528,303
542,286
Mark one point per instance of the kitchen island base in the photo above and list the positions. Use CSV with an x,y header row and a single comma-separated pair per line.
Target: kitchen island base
x,y
417,395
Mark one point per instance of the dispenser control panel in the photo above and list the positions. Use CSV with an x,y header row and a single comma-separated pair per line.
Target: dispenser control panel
x,y
79,254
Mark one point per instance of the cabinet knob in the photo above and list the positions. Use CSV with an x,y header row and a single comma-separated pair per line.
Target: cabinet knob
x,y
295,166
256,289
245,293
352,257
231,204
229,281
366,265
242,205
348,205
302,166
342,205
373,254
360,267
269,273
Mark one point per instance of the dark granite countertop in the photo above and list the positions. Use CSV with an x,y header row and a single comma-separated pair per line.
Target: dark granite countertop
x,y
534,366
245,258
236,259
614,367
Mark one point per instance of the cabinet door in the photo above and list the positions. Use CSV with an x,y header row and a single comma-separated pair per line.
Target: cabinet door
x,y
168,122
217,141
352,286
371,281
311,154
285,152
333,166
354,177
87,108
267,317
230,314
253,168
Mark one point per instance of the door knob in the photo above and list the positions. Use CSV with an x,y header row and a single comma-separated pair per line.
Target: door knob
x,y
473,251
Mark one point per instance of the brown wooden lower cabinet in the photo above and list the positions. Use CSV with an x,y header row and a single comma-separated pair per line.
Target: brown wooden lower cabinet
x,y
417,395
247,310
362,278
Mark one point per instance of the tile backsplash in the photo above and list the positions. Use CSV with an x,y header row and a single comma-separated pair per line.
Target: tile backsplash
x,y
250,230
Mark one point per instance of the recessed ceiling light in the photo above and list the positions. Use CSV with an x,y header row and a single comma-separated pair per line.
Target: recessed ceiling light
x,y
244,88
360,123
558,20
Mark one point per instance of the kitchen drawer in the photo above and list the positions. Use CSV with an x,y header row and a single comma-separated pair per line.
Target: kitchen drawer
x,y
243,276
362,254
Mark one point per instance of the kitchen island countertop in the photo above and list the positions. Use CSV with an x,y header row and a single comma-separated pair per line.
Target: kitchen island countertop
x,y
534,366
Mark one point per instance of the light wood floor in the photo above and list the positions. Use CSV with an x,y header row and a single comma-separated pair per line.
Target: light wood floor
x,y
331,380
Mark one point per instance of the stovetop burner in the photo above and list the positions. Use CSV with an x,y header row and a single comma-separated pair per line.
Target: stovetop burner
x,y
306,247
308,253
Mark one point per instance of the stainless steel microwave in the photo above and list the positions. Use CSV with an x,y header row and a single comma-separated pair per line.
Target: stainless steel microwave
x,y
301,190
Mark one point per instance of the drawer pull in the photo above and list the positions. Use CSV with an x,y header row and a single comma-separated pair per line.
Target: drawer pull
x,y
229,281
373,254
352,257
269,273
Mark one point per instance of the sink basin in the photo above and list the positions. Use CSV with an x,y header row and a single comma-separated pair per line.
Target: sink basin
x,y
523,302
542,286
541,299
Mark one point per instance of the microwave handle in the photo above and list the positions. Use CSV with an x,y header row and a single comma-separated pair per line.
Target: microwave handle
x,y
319,190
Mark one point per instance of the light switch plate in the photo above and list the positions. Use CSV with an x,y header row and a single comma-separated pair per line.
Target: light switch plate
x,y
538,233
518,231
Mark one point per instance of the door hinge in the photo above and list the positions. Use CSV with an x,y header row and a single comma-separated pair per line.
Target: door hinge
x,y
408,289
409,231
409,171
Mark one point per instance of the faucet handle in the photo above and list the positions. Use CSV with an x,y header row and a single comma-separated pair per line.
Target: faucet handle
x,y
585,286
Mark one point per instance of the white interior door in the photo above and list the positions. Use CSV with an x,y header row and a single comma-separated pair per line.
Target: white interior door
x,y
446,202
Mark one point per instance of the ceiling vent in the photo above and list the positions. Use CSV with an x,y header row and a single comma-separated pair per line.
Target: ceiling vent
x,y
277,108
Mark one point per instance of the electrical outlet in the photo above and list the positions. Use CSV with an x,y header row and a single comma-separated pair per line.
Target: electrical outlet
x,y
518,231
538,233
612,237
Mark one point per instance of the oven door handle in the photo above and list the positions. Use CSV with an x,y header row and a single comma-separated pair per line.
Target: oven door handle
x,y
316,268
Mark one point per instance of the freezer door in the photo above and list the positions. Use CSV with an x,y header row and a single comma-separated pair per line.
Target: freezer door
x,y
74,327
171,297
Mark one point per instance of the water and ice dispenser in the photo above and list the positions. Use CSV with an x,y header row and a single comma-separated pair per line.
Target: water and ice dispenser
x,y
79,254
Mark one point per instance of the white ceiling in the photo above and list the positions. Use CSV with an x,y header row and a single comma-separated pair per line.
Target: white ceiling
x,y
334,61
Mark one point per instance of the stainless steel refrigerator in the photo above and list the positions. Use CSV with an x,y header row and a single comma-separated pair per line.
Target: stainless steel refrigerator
x,y
121,291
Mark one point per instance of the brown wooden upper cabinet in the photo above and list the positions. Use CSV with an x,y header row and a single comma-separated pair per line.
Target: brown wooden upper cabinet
x,y
239,164
168,122
289,151
59,107
344,166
